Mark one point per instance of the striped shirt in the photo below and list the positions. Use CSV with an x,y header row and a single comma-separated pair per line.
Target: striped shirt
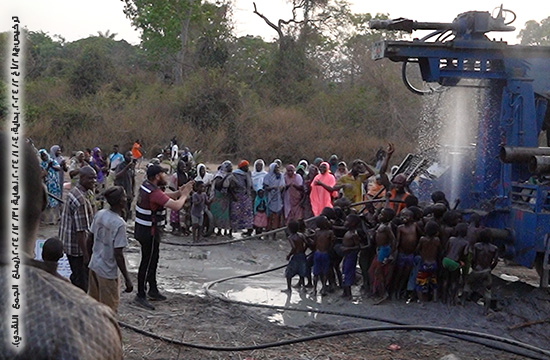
x,y
77,216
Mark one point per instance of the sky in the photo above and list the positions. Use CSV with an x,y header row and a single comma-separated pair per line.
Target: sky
x,y
76,19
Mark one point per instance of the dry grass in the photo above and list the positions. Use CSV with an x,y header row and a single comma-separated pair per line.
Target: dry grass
x,y
154,113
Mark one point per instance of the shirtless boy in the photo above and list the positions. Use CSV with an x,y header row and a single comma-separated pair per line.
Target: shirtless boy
x,y
456,252
447,228
484,259
408,234
323,243
428,248
297,255
350,249
380,269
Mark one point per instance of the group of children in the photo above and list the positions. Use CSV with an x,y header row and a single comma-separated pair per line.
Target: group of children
x,y
422,254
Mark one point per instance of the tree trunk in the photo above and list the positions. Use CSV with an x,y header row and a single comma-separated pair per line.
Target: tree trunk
x,y
180,59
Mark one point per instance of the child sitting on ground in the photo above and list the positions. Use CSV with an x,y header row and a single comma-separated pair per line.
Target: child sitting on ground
x,y
297,255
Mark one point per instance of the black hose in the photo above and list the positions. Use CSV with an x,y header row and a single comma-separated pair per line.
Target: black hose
x,y
465,335
274,231
437,329
365,317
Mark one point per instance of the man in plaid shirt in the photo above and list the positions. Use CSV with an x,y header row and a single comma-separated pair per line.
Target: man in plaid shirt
x,y
58,320
76,219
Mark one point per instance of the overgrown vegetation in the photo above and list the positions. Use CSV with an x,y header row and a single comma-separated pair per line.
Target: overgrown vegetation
x,y
311,92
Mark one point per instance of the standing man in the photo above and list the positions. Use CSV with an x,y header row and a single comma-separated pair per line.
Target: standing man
x,y
76,163
352,183
108,239
76,219
125,176
59,321
137,151
174,151
115,158
150,217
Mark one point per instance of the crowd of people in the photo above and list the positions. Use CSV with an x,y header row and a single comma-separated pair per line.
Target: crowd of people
x,y
345,215
415,253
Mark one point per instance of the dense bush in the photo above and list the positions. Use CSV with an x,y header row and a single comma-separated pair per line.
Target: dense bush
x,y
98,91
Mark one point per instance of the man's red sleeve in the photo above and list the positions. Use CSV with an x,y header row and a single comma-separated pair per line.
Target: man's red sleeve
x,y
158,199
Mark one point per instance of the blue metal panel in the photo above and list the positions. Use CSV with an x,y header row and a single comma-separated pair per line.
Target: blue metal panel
x,y
518,84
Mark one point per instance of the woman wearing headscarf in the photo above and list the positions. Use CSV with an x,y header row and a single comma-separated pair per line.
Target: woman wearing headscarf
x,y
55,154
50,168
241,204
258,174
221,204
308,181
179,178
100,165
341,171
278,162
274,184
102,169
321,197
294,191
302,167
206,178
333,162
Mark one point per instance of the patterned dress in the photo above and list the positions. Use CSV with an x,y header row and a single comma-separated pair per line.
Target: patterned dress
x,y
51,179
241,207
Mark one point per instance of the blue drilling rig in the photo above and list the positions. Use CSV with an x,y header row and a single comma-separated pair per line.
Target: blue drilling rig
x,y
506,176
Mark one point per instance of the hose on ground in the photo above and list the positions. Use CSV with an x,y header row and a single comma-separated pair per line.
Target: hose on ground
x,y
456,335
437,329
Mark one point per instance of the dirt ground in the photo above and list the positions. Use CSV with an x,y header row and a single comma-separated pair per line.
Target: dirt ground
x,y
192,316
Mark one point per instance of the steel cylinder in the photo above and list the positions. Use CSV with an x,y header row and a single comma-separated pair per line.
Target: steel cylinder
x,y
502,235
539,164
512,154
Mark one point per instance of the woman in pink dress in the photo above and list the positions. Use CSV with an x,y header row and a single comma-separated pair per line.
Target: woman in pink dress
x,y
320,196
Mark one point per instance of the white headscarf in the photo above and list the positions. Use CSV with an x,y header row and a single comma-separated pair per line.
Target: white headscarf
x,y
258,176
207,178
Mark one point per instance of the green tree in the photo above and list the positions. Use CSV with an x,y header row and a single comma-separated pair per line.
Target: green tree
x,y
292,74
174,30
535,33
250,58
92,70
44,54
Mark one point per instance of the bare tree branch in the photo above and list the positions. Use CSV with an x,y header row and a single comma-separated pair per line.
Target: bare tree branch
x,y
286,22
268,22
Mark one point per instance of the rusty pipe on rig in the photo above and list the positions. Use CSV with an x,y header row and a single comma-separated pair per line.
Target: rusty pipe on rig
x,y
513,154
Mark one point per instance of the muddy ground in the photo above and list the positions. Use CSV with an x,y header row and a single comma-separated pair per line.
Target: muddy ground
x,y
192,316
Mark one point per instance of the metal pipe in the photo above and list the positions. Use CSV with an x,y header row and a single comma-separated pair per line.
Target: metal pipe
x,y
503,235
408,25
513,154
539,164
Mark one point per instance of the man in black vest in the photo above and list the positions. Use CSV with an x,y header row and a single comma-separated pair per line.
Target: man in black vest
x,y
150,217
